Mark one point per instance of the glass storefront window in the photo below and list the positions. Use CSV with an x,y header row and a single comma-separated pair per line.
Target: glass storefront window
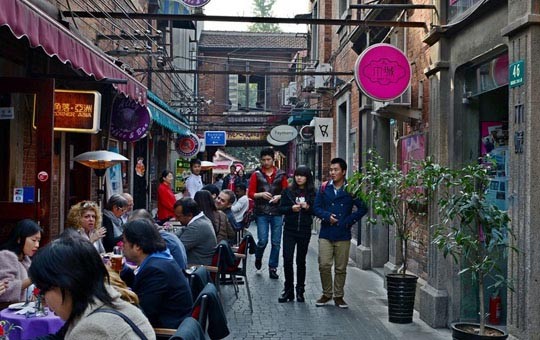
x,y
457,7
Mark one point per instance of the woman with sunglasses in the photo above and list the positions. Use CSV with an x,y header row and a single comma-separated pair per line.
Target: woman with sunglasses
x,y
15,259
85,217
75,284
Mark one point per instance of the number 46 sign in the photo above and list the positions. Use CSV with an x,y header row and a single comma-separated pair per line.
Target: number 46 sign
x,y
516,75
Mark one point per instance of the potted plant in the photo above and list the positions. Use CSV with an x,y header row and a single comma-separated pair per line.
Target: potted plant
x,y
475,233
399,198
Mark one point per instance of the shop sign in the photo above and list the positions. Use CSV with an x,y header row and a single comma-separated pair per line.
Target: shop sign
x,y
187,146
324,130
517,73
382,72
274,142
215,138
130,121
195,3
76,111
307,132
283,133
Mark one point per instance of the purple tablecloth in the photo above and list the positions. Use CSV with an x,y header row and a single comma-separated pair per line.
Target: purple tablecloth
x,y
31,327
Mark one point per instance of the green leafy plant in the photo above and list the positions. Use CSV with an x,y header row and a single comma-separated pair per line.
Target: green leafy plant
x,y
399,198
472,230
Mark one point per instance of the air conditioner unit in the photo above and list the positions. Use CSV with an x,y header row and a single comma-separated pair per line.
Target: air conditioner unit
x,y
322,80
288,94
309,81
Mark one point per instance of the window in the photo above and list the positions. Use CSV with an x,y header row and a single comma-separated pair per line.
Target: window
x,y
343,8
457,7
247,93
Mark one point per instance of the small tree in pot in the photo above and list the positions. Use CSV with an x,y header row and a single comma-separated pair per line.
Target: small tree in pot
x,y
399,199
474,232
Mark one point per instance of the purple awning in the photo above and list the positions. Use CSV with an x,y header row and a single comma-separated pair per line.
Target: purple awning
x,y
26,20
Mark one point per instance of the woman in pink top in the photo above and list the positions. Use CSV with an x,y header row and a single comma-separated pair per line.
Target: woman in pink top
x,y
165,197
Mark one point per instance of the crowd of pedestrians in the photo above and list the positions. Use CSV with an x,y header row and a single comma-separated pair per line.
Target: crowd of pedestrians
x,y
76,281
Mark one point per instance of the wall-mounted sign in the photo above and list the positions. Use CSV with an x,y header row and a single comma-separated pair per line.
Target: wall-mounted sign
x,y
307,132
274,142
382,72
187,146
215,138
517,73
195,3
130,121
283,133
7,112
324,130
77,111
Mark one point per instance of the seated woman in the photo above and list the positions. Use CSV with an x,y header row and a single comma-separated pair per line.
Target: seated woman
x,y
85,217
15,256
220,222
72,277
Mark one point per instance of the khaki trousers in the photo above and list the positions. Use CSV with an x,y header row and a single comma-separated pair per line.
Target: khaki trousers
x,y
334,253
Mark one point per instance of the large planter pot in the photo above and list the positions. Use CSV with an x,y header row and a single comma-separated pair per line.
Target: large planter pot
x,y
462,331
401,290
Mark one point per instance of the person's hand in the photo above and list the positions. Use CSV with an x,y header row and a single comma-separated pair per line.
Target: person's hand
x,y
265,195
98,234
275,199
333,219
3,286
296,207
304,205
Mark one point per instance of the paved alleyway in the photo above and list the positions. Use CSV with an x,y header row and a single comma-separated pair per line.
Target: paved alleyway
x,y
366,317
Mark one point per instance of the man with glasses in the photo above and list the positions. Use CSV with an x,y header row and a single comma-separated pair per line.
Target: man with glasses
x,y
129,209
114,209
265,186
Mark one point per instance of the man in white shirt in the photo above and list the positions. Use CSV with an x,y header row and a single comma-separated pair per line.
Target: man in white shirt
x,y
241,205
194,181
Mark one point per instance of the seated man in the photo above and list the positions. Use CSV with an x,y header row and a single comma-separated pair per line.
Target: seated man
x,y
163,290
224,202
241,205
198,235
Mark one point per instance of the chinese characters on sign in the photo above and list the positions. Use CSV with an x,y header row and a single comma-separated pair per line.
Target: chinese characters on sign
x,y
77,111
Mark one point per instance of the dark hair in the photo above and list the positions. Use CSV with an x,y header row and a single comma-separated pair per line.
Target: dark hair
x,y
189,206
24,229
194,161
73,265
230,193
267,152
303,170
214,190
164,174
241,185
206,203
116,200
143,233
340,161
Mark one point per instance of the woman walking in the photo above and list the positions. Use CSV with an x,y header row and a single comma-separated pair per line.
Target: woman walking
x,y
296,206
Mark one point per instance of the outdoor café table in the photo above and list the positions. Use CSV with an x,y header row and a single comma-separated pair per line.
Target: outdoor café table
x,y
31,327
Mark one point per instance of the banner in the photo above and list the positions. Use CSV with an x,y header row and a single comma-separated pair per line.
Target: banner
x,y
324,130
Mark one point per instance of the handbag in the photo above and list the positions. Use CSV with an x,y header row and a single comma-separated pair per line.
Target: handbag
x,y
135,328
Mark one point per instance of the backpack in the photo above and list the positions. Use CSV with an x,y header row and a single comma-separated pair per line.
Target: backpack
x,y
248,215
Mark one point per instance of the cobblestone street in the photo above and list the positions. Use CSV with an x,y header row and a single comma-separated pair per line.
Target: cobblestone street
x,y
366,317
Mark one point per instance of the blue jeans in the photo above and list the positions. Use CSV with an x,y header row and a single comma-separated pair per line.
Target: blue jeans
x,y
266,224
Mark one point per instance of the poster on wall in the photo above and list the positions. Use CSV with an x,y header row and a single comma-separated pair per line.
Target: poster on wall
x,y
494,141
113,175
412,148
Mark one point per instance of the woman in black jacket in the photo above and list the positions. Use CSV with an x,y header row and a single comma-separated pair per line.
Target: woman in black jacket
x,y
296,206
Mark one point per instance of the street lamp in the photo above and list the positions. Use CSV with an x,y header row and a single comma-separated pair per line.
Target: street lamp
x,y
100,161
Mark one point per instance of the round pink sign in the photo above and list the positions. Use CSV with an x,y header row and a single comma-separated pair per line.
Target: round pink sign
x,y
383,72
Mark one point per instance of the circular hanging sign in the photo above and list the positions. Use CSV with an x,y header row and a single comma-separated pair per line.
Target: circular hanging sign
x,y
43,176
382,72
130,121
195,3
307,132
283,133
187,146
274,142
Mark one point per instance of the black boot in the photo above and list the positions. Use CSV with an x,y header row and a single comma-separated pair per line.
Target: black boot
x,y
286,295
300,294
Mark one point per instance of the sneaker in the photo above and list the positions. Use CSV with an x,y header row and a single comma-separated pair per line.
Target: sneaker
x,y
273,273
258,264
323,300
340,302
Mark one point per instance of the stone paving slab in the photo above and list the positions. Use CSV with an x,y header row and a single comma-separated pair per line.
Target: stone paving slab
x,y
366,318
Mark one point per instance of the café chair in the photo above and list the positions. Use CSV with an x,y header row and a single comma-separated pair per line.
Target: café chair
x,y
245,247
189,329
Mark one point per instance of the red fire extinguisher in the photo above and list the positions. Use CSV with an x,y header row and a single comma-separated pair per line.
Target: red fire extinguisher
x,y
495,309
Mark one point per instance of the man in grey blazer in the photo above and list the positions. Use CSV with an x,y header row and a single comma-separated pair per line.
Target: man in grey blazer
x,y
197,235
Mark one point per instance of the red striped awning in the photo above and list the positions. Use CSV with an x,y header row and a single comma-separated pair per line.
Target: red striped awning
x,y
26,20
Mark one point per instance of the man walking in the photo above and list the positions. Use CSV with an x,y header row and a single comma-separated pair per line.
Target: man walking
x,y
265,186
194,181
334,206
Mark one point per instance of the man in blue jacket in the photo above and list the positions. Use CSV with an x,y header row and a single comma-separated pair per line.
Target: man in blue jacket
x,y
334,206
